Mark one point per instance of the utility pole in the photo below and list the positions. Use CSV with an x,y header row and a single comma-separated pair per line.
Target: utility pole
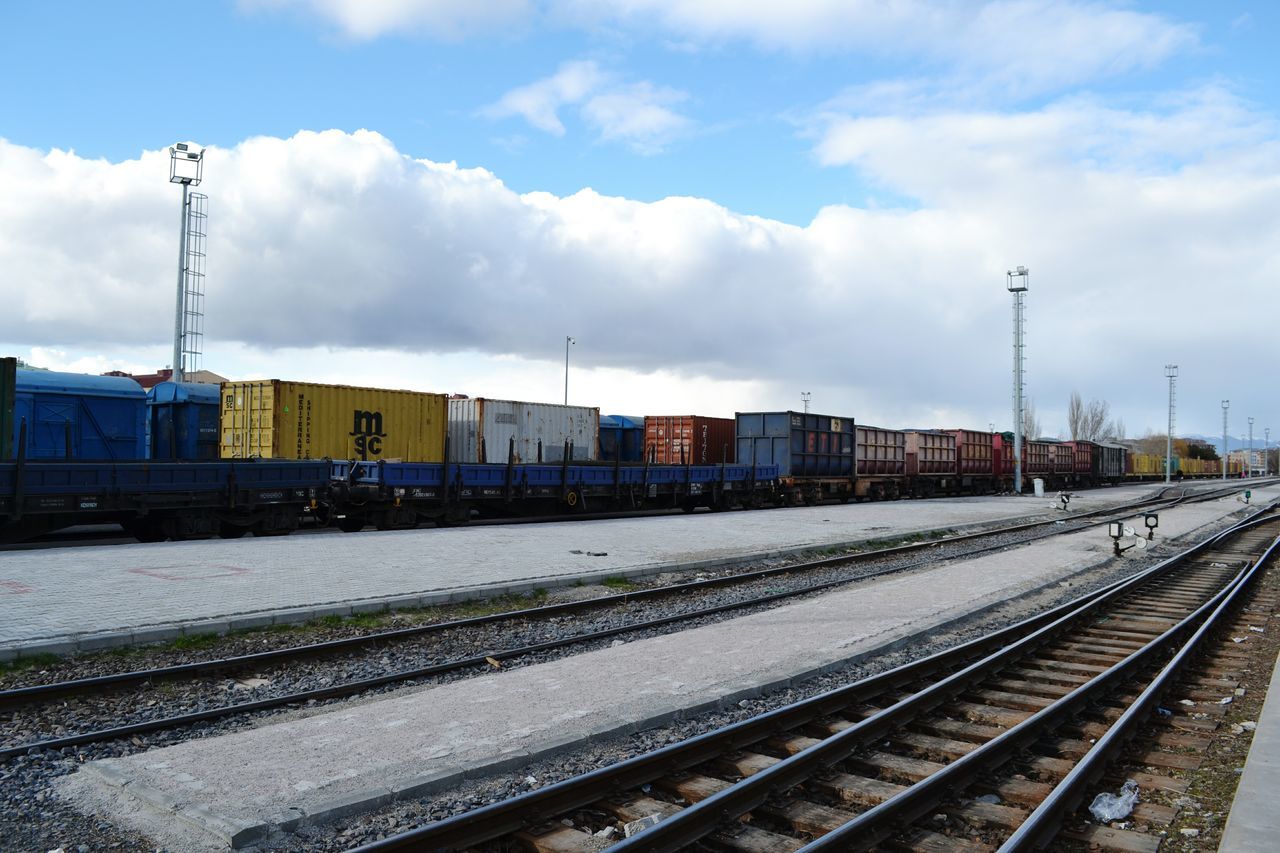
x,y
1024,277
567,341
1171,371
1226,404
1249,462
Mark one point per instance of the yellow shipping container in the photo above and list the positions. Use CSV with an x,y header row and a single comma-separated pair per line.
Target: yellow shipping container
x,y
273,419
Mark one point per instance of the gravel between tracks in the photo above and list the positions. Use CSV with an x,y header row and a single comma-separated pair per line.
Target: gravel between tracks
x,y
30,818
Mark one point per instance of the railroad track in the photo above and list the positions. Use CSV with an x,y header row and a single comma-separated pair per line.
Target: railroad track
x,y
50,696
989,745
98,535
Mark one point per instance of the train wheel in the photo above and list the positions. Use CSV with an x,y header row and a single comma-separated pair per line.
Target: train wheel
x,y
227,530
351,523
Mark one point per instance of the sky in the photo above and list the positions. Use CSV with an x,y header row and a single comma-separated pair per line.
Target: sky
x,y
725,203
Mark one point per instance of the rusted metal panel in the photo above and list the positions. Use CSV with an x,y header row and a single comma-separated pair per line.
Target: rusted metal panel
x,y
975,453
1083,456
930,452
881,452
1062,458
688,440
275,419
482,430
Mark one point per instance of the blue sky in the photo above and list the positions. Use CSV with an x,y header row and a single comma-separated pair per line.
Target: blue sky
x,y
110,80
844,182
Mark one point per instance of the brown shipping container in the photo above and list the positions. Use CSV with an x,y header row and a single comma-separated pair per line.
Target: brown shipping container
x,y
880,451
1037,457
273,419
688,440
974,452
930,452
1063,458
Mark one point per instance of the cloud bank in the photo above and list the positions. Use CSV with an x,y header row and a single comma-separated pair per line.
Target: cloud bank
x,y
339,240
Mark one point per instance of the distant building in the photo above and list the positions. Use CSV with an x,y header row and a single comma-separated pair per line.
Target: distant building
x,y
1257,460
164,374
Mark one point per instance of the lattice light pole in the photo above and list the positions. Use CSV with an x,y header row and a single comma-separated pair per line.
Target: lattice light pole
x,y
1226,404
186,167
567,342
1249,459
1023,276
806,396
1171,371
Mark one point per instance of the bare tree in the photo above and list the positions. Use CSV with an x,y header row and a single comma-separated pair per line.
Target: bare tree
x,y
1092,421
1075,416
1030,422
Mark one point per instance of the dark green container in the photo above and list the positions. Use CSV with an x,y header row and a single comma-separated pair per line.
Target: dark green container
x,y
8,379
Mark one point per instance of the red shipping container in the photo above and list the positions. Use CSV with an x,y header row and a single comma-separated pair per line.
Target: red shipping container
x,y
1083,455
975,453
688,440
1036,456
930,452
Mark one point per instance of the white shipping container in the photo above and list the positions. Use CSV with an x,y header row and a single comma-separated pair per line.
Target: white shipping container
x,y
480,430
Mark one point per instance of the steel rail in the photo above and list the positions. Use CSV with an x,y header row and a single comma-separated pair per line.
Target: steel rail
x,y
361,685
502,818
696,821
875,824
23,695
1040,827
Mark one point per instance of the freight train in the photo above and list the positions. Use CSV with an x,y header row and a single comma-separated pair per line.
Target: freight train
x,y
184,461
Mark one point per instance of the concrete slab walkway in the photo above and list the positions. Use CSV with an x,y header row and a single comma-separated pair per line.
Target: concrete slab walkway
x,y
1254,821
68,599
241,787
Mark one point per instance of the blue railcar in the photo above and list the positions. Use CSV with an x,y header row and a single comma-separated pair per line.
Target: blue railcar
x,y
392,495
161,500
75,416
182,421
621,438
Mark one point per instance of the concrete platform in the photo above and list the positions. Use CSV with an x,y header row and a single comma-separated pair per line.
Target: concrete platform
x,y
78,599
238,788
1254,821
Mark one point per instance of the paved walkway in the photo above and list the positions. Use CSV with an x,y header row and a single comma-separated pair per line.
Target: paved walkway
x,y
1254,821
241,787
68,599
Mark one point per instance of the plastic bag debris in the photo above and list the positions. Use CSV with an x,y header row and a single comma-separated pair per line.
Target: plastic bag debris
x,y
638,826
1107,807
989,799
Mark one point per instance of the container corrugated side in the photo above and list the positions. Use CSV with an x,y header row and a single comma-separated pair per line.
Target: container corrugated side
x,y
276,419
801,444
1083,456
689,440
621,438
1037,457
975,453
930,452
1063,458
881,452
482,430
8,383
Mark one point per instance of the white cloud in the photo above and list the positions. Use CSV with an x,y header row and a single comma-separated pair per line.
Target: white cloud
x,y
1021,46
335,255
369,19
638,114
540,101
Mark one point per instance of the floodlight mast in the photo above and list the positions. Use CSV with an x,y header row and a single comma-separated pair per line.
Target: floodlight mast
x,y
1171,371
186,167
1024,277
1226,404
